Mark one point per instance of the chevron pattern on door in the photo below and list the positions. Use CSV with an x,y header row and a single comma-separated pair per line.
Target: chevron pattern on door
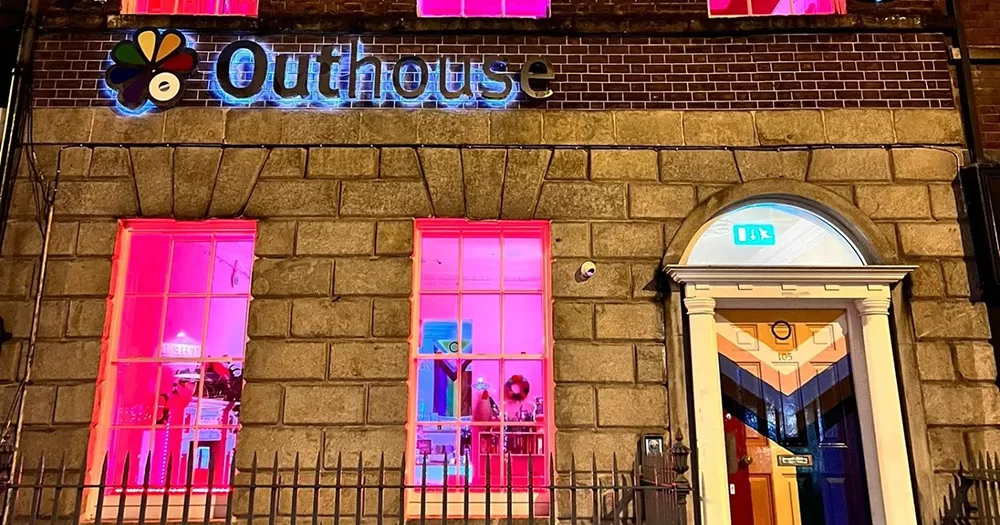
x,y
792,430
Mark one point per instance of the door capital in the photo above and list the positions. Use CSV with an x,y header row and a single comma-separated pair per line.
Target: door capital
x,y
700,305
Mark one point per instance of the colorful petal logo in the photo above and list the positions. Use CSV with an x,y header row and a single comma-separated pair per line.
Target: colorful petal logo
x,y
151,68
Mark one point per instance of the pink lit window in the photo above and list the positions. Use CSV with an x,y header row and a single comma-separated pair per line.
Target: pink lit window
x,y
190,7
172,368
776,7
484,8
481,371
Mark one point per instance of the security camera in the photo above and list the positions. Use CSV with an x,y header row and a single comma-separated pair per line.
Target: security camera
x,y
587,270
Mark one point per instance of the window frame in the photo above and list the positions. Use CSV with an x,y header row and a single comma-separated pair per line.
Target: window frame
x,y
503,12
130,7
840,9
459,227
104,392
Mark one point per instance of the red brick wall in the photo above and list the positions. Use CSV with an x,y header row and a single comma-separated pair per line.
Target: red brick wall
x,y
761,72
982,22
71,12
986,79
982,26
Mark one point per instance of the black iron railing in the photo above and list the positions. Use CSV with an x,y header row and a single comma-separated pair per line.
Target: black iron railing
x,y
651,490
974,498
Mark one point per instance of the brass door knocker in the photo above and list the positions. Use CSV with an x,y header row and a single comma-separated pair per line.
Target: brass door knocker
x,y
785,326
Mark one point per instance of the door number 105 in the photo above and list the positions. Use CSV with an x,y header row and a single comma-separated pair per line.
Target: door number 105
x,y
784,356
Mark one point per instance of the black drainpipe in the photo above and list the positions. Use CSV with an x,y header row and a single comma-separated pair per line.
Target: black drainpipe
x,y
966,88
17,106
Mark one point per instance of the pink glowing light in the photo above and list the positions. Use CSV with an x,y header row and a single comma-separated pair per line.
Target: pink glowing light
x,y
733,8
172,366
190,7
484,8
481,372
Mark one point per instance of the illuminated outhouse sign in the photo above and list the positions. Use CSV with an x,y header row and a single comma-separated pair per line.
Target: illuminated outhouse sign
x,y
151,70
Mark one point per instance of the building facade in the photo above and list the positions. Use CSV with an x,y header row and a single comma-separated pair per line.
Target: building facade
x,y
331,230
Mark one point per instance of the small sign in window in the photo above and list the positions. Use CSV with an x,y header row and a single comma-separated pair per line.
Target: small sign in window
x,y
753,234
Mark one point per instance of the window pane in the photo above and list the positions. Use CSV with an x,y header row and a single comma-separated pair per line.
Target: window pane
x,y
183,327
180,388
439,326
136,396
224,387
442,386
484,7
439,263
149,255
133,444
522,263
215,443
528,8
523,391
189,267
485,391
483,312
215,452
728,7
436,450
227,328
191,7
170,446
439,7
140,326
524,324
771,7
527,456
816,7
480,263
231,274
485,455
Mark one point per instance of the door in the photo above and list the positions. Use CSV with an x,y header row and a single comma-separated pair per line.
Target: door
x,y
792,436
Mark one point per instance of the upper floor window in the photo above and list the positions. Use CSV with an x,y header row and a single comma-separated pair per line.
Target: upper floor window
x,y
776,7
481,373
190,7
484,8
172,366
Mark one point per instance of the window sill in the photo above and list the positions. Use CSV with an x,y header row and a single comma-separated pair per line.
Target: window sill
x,y
154,508
520,503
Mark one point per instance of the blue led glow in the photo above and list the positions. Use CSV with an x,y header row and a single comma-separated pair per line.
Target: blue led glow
x,y
242,69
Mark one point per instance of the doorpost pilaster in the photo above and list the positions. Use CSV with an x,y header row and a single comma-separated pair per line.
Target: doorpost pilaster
x,y
892,500
706,382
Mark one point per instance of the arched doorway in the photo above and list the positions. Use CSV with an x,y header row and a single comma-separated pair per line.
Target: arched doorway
x,y
796,409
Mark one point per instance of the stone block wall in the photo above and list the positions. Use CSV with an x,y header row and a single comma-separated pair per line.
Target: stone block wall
x,y
328,327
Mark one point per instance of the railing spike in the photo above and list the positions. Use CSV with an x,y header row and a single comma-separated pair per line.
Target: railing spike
x,y
168,483
295,491
635,499
380,488
272,511
317,483
57,491
144,498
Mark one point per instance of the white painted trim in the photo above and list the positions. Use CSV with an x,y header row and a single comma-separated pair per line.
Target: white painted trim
x,y
685,274
865,293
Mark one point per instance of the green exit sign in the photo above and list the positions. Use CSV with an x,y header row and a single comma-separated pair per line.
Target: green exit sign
x,y
753,234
